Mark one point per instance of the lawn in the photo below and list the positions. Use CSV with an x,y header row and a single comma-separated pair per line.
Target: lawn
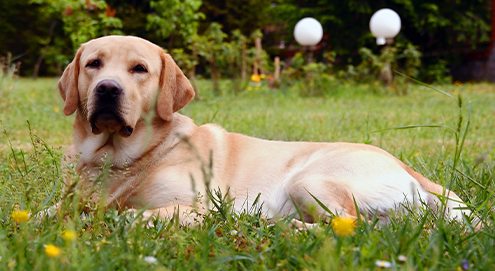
x,y
35,133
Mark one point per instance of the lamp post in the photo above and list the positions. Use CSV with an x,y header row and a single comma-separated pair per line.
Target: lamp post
x,y
308,32
385,25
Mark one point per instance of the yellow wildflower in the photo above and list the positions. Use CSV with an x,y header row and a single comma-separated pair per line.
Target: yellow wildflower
x,y
56,110
69,235
20,216
52,251
249,88
262,76
255,78
343,226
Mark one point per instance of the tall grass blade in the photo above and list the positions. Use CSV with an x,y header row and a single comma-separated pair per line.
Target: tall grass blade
x,y
426,85
416,126
323,206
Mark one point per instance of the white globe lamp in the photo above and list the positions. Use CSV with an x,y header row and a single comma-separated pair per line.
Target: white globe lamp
x,y
308,32
385,23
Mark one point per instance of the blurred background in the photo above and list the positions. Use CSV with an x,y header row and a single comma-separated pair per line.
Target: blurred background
x,y
440,41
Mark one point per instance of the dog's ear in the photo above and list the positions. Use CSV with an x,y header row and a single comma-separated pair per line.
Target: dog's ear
x,y
67,85
175,89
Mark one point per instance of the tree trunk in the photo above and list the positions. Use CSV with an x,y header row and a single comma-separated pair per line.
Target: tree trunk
x,y
257,43
276,77
191,74
214,77
244,61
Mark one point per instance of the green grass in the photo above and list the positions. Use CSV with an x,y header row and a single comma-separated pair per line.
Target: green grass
x,y
30,179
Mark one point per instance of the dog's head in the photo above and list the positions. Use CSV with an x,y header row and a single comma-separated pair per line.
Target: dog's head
x,y
114,79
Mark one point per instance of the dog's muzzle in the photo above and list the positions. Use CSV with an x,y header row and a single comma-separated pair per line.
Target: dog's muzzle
x,y
107,115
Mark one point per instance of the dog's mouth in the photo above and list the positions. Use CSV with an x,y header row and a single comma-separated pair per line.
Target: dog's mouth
x,y
107,120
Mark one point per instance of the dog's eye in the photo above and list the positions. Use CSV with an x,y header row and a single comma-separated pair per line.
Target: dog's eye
x,y
94,64
139,68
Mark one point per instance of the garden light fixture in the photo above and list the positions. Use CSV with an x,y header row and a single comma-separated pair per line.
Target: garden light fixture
x,y
308,32
385,23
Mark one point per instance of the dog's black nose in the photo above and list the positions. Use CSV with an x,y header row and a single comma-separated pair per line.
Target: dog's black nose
x,y
108,88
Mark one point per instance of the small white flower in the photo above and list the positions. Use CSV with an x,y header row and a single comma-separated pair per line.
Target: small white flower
x,y
402,258
150,259
233,232
383,264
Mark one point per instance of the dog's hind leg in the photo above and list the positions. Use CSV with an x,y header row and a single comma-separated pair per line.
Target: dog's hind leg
x,y
319,199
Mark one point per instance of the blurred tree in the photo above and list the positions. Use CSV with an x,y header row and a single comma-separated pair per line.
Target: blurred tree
x,y
245,15
166,23
44,33
81,21
24,31
210,47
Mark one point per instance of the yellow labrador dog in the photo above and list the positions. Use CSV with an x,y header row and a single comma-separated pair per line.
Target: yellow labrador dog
x,y
159,162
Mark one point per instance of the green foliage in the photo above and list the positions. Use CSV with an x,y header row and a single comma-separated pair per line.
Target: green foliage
x,y
83,20
442,31
43,34
235,58
243,15
57,28
406,59
210,47
412,58
316,80
178,17
375,64
436,71
442,27
186,62
24,30
312,79
226,56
